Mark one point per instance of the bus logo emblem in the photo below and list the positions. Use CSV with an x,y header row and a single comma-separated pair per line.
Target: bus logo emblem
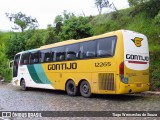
x,y
137,41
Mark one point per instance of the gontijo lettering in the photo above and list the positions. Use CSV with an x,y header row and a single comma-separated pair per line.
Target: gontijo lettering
x,y
62,66
137,57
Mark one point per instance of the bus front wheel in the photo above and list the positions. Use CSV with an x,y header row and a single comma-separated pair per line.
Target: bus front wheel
x,y
71,88
85,89
23,85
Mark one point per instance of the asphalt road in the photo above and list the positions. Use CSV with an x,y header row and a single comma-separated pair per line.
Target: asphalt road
x,y
12,98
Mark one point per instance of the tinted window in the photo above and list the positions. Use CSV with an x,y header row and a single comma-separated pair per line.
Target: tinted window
x,y
46,55
25,58
15,66
106,47
88,49
60,53
16,60
34,57
72,52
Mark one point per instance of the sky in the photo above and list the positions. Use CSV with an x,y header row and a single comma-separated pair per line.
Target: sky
x,y
46,10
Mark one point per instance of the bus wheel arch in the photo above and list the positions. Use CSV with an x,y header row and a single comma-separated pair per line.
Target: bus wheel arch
x,y
71,88
23,84
84,88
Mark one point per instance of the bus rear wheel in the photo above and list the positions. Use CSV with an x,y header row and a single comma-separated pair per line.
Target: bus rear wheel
x,y
71,88
85,89
23,85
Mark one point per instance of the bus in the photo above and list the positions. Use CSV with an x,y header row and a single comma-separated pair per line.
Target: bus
x,y
112,63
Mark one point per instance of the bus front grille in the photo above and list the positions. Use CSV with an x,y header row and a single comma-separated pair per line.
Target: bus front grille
x,y
106,81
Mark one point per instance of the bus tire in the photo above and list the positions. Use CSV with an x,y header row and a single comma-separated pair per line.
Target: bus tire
x,y
23,85
85,89
71,88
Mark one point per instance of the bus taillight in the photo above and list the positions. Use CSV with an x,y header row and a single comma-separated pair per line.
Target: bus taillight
x,y
121,68
121,72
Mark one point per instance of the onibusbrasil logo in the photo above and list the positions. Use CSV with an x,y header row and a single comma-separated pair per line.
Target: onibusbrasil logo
x,y
137,41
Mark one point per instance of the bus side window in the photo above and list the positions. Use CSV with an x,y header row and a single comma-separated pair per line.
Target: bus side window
x,y
60,53
101,53
16,60
88,49
25,58
71,56
60,56
106,47
34,58
41,56
47,56
90,54
15,65
53,57
72,51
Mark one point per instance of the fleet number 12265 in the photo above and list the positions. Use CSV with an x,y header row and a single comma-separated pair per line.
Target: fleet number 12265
x,y
102,64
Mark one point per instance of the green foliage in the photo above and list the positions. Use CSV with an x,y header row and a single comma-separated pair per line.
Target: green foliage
x,y
157,84
14,45
67,15
136,2
58,23
110,22
58,18
76,28
157,19
35,41
5,72
150,8
154,64
50,36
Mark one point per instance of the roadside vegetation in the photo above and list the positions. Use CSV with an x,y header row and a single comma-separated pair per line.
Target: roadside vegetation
x,y
143,16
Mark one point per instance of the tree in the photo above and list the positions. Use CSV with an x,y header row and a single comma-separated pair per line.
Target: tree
x,y
59,20
22,21
76,28
50,36
136,2
67,15
35,41
151,8
100,4
15,44
58,23
4,70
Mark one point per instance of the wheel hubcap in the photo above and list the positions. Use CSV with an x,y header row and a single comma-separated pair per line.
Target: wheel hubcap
x,y
71,88
85,88
23,84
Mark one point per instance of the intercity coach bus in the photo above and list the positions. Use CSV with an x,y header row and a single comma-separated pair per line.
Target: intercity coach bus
x,y
112,63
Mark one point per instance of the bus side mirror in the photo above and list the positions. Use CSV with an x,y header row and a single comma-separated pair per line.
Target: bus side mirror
x,y
11,64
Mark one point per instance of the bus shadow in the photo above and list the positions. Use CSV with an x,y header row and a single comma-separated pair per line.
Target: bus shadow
x,y
49,91
125,97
